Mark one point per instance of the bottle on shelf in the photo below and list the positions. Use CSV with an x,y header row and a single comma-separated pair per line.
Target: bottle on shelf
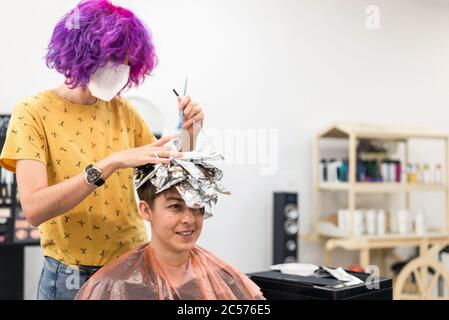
x,y
323,170
427,178
419,173
438,174
398,168
403,221
384,171
411,173
392,171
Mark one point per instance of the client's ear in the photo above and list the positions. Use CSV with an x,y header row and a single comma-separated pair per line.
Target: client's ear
x,y
145,211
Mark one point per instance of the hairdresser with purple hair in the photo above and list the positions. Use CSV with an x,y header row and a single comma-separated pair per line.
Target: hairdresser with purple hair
x,y
74,148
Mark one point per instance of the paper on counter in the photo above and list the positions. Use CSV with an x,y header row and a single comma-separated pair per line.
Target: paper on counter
x,y
342,275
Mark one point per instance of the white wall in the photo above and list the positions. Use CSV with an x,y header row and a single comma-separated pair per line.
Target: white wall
x,y
291,65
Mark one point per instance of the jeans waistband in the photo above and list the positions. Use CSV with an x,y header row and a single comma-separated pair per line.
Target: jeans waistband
x,y
89,269
86,269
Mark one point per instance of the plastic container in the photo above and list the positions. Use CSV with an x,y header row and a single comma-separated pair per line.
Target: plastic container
x,y
381,222
359,223
371,222
343,220
403,221
420,223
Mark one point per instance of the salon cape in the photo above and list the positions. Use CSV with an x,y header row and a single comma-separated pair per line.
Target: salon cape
x,y
137,275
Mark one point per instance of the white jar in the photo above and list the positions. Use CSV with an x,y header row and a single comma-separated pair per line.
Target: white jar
x,y
371,222
343,220
420,223
393,222
359,223
380,222
403,221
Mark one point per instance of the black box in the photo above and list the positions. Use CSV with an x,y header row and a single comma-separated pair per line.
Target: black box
x,y
278,286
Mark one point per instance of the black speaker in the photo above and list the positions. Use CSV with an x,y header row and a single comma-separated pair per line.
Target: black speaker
x,y
286,228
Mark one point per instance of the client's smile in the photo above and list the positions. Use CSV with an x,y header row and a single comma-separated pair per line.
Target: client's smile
x,y
185,233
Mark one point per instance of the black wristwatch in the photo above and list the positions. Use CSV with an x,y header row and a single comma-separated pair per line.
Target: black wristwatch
x,y
92,175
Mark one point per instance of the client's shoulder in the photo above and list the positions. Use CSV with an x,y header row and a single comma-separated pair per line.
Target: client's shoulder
x,y
105,282
239,284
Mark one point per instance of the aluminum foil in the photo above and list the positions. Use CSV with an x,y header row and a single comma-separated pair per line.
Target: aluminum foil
x,y
194,176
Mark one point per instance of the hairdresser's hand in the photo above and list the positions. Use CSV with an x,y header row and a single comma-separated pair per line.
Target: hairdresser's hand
x,y
150,153
193,115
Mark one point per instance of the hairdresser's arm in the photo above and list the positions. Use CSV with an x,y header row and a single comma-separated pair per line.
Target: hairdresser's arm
x,y
192,122
41,202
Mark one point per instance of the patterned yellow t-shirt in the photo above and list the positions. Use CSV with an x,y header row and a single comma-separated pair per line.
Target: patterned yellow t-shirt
x,y
66,137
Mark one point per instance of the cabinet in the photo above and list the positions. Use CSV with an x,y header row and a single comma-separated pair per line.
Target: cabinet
x,y
15,232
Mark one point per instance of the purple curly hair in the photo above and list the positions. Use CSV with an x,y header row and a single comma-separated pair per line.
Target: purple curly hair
x,y
94,33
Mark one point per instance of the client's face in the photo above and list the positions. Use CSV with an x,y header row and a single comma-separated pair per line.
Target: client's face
x,y
173,224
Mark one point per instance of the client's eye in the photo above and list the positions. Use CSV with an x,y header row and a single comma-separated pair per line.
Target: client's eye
x,y
175,206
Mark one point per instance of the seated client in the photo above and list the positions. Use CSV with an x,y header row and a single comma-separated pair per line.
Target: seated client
x,y
175,198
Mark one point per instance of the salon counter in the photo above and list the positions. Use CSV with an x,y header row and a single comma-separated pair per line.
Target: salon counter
x,y
279,286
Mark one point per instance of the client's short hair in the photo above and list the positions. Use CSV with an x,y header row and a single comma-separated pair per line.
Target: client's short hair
x,y
147,193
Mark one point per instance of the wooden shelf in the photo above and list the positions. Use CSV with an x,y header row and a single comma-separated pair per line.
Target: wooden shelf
x,y
370,242
391,236
371,131
366,242
380,187
353,133
395,236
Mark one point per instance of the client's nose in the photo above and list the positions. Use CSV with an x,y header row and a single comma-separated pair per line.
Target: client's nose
x,y
188,216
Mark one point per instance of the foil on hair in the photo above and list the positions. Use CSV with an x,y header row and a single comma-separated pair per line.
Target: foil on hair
x,y
195,177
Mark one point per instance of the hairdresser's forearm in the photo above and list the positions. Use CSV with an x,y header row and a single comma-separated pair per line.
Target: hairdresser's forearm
x,y
189,140
188,144
50,202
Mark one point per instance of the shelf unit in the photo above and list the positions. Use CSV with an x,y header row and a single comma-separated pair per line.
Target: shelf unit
x,y
353,133
13,203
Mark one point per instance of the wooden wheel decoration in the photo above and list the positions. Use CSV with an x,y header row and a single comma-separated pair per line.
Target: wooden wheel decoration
x,y
419,279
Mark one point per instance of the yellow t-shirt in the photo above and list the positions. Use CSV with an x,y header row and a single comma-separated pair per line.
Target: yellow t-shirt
x,y
67,137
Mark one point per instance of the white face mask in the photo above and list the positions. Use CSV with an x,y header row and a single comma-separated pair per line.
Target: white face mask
x,y
108,81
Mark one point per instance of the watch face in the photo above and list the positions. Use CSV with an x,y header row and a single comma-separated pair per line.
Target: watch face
x,y
93,174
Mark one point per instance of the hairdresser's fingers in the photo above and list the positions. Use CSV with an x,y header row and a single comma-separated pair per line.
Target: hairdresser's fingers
x,y
150,147
198,118
196,110
183,102
164,140
191,109
158,160
165,154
